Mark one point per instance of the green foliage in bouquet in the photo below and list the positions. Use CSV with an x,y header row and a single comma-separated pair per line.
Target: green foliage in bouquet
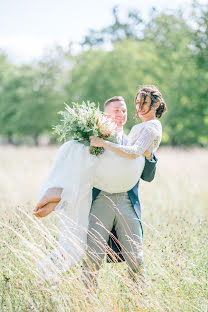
x,y
82,121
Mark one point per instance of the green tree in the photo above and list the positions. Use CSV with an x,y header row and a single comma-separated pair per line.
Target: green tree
x,y
98,75
171,36
40,99
7,105
200,52
169,51
117,31
31,95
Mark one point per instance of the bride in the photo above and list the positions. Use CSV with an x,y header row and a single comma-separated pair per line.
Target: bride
x,y
75,172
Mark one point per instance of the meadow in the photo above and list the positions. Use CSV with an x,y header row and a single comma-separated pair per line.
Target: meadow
x,y
175,222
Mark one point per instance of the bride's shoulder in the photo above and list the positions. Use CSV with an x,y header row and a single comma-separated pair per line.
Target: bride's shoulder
x,y
136,127
151,124
155,123
155,126
135,130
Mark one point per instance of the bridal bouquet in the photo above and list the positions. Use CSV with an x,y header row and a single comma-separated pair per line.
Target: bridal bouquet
x,y
82,121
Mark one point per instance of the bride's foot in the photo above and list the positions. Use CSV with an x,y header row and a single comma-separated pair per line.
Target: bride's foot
x,y
45,210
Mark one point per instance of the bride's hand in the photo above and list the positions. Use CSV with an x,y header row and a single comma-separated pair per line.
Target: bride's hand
x,y
52,194
98,142
46,210
48,202
148,154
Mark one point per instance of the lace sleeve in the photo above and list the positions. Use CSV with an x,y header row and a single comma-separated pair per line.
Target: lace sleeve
x,y
141,138
148,137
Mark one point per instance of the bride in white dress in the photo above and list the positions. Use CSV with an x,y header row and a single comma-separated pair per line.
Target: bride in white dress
x,y
75,172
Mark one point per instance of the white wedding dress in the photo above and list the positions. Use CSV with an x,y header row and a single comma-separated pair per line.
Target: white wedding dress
x,y
77,171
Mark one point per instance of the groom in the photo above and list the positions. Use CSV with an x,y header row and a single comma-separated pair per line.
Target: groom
x,y
115,219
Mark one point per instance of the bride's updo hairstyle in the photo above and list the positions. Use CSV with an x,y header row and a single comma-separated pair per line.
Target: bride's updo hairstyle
x,y
155,96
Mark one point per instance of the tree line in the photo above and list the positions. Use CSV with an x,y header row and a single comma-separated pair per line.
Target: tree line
x,y
169,50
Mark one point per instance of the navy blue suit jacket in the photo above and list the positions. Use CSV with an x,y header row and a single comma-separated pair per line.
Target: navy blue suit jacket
x,y
148,175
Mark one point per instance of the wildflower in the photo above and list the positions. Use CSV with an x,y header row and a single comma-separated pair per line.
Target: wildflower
x,y
40,282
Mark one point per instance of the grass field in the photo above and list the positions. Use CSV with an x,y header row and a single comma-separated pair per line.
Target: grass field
x,y
175,222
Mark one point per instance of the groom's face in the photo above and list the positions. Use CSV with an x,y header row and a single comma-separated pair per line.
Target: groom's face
x,y
117,111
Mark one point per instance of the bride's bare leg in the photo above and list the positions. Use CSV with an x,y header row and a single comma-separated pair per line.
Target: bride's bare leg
x,y
48,202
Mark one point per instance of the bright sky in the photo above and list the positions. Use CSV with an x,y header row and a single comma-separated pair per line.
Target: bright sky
x,y
27,27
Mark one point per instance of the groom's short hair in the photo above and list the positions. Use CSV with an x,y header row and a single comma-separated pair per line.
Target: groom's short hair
x,y
113,99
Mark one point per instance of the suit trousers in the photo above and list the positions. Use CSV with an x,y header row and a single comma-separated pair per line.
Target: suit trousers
x,y
110,210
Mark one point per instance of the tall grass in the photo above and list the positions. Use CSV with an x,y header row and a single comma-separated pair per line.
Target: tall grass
x,y
174,214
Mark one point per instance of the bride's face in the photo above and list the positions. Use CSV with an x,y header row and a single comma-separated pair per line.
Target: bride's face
x,y
143,108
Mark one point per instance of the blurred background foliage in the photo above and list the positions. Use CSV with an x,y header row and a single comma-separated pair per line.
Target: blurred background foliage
x,y
169,50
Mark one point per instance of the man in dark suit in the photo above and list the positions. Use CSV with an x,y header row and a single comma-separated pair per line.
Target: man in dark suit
x,y
115,224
